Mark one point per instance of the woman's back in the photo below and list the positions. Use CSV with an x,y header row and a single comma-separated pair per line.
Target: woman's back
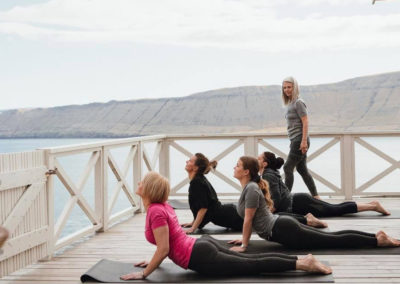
x,y
280,194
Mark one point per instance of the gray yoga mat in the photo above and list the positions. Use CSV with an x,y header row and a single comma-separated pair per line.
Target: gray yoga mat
x,y
110,271
395,214
257,246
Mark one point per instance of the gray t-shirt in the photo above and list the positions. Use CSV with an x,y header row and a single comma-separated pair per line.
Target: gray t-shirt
x,y
294,112
264,220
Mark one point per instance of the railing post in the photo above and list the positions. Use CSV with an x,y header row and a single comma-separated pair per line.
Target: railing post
x,y
104,202
100,190
164,159
50,205
137,170
347,162
251,146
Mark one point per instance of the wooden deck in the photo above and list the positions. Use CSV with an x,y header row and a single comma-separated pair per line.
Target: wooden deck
x,y
126,242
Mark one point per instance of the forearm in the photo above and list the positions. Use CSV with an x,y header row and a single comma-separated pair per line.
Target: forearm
x,y
158,257
305,129
199,218
247,229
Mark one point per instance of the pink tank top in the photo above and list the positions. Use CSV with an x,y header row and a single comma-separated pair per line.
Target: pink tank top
x,y
180,244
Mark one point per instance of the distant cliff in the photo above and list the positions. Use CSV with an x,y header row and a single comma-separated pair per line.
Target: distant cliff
x,y
365,103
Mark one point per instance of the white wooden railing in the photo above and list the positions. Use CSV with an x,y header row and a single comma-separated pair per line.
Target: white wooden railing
x,y
27,192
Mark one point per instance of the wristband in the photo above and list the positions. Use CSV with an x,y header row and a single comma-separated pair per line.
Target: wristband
x,y
143,276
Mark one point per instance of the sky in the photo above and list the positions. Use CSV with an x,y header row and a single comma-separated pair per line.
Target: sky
x,y
63,52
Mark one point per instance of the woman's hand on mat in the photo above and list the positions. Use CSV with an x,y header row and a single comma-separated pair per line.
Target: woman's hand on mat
x,y
238,249
236,242
189,231
133,276
143,263
187,225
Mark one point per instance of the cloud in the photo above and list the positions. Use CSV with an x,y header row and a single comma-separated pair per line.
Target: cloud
x,y
271,26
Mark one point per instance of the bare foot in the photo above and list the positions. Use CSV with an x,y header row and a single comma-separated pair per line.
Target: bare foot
x,y
311,264
317,197
379,208
315,222
385,241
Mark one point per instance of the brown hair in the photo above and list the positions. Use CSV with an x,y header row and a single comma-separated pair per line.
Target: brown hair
x,y
203,164
155,187
251,164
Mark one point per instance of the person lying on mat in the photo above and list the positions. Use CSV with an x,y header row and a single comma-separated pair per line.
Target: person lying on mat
x,y
206,207
201,255
3,236
254,204
303,203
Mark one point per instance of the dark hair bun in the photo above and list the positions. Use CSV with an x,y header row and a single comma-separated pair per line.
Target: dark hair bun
x,y
279,162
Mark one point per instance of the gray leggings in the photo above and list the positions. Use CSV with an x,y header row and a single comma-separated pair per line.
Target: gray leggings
x,y
296,159
210,258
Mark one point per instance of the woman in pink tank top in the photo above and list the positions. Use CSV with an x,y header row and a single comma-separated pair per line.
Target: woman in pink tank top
x,y
204,255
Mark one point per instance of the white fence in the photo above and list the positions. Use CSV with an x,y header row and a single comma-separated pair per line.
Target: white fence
x,y
27,193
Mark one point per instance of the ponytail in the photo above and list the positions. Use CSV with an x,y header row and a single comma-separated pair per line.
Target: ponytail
x,y
203,164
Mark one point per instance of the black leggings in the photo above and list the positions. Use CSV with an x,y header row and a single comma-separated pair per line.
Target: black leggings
x,y
225,216
211,258
290,233
304,203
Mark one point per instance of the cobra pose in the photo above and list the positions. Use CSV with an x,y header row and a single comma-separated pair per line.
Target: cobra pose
x,y
303,203
254,204
201,255
206,207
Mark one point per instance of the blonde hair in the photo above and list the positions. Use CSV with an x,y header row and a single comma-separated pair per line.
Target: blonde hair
x,y
251,164
295,93
155,187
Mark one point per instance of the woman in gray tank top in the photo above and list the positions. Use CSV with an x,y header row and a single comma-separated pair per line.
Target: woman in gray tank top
x,y
297,128
253,207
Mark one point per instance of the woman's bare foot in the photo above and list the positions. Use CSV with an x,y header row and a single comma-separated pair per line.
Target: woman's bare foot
x,y
311,264
317,197
385,241
315,222
379,208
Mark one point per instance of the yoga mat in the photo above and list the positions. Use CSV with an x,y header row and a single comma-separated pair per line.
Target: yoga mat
x,y
212,229
395,214
184,204
257,246
110,271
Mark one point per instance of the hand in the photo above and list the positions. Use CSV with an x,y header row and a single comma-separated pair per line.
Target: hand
x,y
303,147
238,249
187,225
236,242
133,276
189,231
143,264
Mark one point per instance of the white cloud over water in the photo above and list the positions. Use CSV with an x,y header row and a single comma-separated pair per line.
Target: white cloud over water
x,y
272,26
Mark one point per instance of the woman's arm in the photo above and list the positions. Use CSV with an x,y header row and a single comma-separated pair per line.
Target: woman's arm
x,y
303,144
161,235
247,228
196,223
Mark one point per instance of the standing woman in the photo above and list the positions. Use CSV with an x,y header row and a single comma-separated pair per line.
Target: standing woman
x,y
201,255
254,204
203,199
297,127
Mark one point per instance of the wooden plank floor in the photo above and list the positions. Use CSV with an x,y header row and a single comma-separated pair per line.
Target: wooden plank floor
x,y
126,242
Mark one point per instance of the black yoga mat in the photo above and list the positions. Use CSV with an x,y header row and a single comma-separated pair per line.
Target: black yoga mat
x,y
184,204
110,271
212,229
395,214
257,246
